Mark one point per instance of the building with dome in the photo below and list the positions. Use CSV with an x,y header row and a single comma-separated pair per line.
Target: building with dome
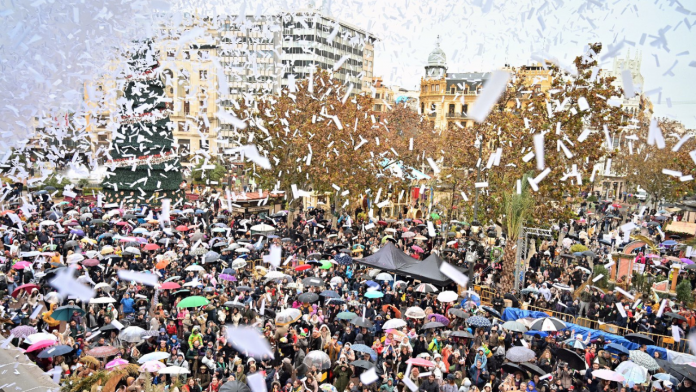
x,y
446,96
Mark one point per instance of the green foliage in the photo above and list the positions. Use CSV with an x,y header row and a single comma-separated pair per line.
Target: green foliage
x,y
592,199
578,248
517,208
204,177
684,292
53,181
640,283
603,283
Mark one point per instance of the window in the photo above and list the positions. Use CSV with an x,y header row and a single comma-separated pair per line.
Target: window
x,y
201,105
378,108
437,87
422,108
203,144
203,74
451,108
377,95
184,149
170,55
187,108
102,138
182,127
187,55
465,108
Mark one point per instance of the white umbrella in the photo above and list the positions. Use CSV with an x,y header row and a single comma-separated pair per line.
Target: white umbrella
x,y
133,250
75,258
174,370
447,296
274,275
336,280
239,263
154,356
384,276
103,285
241,250
131,334
415,312
393,324
194,268
37,337
262,227
47,223
53,298
548,324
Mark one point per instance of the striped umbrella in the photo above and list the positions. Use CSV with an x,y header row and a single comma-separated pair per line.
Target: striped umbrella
x,y
548,324
425,288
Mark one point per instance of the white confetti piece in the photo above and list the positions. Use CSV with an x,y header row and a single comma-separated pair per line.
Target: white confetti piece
x,y
539,150
627,80
582,104
140,277
249,341
257,382
489,95
597,278
369,376
621,310
454,274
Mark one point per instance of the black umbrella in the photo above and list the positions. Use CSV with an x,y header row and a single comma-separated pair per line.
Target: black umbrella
x,y
574,360
361,322
234,304
492,311
462,334
567,256
512,368
108,327
532,368
675,316
308,298
458,313
234,386
329,294
243,288
363,364
639,338
55,351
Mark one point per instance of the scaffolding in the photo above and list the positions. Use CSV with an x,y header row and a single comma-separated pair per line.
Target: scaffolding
x,y
523,250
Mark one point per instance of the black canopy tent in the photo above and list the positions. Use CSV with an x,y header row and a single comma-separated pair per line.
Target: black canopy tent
x,y
427,270
389,258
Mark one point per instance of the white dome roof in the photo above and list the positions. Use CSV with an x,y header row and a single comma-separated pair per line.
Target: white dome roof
x,y
437,57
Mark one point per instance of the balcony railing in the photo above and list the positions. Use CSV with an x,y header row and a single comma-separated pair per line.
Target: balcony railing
x,y
456,115
432,114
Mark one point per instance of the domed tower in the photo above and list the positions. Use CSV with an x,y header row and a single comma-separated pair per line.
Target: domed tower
x,y
437,63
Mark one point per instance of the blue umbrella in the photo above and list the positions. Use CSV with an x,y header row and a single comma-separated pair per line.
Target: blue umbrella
x,y
475,298
616,349
372,283
361,348
669,243
540,334
478,321
329,294
55,351
374,294
343,259
575,343
78,232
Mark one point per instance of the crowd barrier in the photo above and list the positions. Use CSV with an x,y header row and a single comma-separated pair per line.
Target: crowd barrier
x,y
611,328
669,343
486,295
559,315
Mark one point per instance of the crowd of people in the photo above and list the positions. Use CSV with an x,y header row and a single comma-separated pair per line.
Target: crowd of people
x,y
350,332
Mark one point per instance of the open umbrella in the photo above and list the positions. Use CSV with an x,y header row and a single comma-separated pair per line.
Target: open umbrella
x,y
420,362
152,366
39,337
22,331
415,312
512,368
575,344
425,288
394,324
346,315
609,375
192,302
103,351
532,368
639,338
362,364
118,362
287,316
632,372
643,359
574,360
153,356
131,334
313,281
462,334
432,325
234,386
478,322
362,322
361,348
308,298
174,370
447,296
55,351
548,324
514,326
519,354
317,358
490,310
616,349
40,345
64,313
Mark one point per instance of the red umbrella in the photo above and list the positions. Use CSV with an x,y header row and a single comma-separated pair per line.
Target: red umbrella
x,y
616,205
382,223
90,262
41,345
420,362
418,221
169,286
151,247
26,287
121,223
303,267
182,228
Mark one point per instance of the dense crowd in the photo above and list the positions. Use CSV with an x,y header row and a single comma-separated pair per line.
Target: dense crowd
x,y
330,321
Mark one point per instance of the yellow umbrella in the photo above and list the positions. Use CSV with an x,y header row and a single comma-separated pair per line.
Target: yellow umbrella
x,y
107,250
89,241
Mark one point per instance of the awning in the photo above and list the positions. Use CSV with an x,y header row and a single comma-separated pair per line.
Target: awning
x,y
682,227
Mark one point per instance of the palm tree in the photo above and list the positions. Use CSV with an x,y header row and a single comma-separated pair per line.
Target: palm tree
x,y
516,208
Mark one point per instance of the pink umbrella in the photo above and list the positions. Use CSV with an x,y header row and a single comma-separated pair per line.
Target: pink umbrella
x,y
152,366
90,262
653,256
609,375
116,363
420,362
417,248
21,265
40,345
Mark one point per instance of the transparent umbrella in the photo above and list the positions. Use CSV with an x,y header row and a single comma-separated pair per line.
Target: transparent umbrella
x,y
319,359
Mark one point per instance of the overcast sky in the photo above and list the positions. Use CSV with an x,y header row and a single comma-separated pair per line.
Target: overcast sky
x,y
482,35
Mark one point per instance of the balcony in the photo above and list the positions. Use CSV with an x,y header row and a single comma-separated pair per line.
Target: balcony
x,y
433,115
456,115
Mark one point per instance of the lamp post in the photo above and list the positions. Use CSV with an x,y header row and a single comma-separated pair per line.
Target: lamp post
x,y
475,225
